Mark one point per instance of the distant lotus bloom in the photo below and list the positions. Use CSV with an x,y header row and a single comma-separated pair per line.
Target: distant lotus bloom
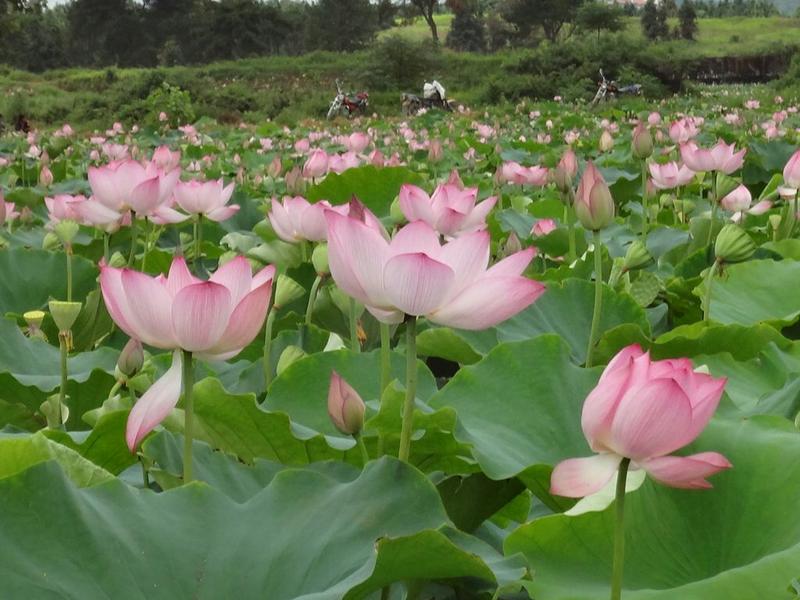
x,y
162,116
345,407
513,172
275,167
115,151
683,130
298,220
606,141
316,165
593,202
46,177
644,411
543,227
752,104
435,151
213,319
791,172
357,142
166,159
669,175
127,185
415,275
449,210
653,119
566,170
339,163
208,198
302,146
63,207
721,157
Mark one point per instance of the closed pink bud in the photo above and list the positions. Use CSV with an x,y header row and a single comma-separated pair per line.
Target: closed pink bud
x,y
275,167
316,165
543,227
738,200
45,177
642,143
791,172
345,407
606,141
593,202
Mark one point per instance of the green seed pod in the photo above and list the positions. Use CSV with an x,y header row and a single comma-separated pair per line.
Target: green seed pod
x,y
287,290
64,313
319,258
636,257
733,245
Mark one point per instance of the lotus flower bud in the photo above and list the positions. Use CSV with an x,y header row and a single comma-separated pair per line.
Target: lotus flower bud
x,y
594,204
636,257
319,258
46,177
642,144
66,231
513,245
345,406
733,245
566,170
275,167
226,257
64,313
606,141
131,359
295,184
289,356
287,290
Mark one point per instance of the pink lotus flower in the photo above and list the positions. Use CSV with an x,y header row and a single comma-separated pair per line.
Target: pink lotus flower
x,y
543,227
165,159
316,165
414,274
606,143
593,202
653,119
127,185
302,146
791,172
721,157
213,319
345,407
513,172
739,202
46,177
450,210
207,198
644,411
683,130
297,220
357,142
752,104
338,163
566,170
63,207
669,175
115,151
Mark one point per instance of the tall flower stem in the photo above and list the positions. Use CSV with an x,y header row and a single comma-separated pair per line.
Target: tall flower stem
x,y
386,370
134,235
268,348
68,251
312,296
709,281
713,199
188,415
411,388
572,254
619,531
63,346
146,230
645,207
355,345
362,448
598,297
106,246
198,240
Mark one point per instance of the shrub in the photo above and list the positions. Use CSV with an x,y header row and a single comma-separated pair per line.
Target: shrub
x,y
395,62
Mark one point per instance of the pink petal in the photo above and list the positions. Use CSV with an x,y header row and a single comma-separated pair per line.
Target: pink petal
x,y
235,275
149,305
416,283
145,196
312,222
476,219
223,213
392,317
415,204
164,215
650,420
512,265
487,302
245,322
579,477
179,276
264,275
200,315
156,403
688,472
468,256
281,223
116,301
95,213
416,237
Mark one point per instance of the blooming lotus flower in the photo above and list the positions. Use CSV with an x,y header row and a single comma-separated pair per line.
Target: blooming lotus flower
x,y
298,220
513,172
720,158
683,130
213,319
791,172
127,185
316,165
669,175
165,159
593,202
414,274
338,163
450,210
115,151
644,411
63,207
543,227
207,198
356,142
739,200
7,211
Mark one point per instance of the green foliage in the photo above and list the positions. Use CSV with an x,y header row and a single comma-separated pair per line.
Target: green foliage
x,y
397,63
688,20
466,33
654,21
599,16
173,101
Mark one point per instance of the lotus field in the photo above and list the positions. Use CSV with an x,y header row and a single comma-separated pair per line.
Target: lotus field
x,y
547,353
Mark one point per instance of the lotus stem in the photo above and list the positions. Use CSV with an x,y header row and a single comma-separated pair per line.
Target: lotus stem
x,y
619,531
386,370
63,346
68,251
411,388
598,297
713,198
355,345
106,246
134,235
362,448
645,207
198,241
268,349
312,296
188,415
707,296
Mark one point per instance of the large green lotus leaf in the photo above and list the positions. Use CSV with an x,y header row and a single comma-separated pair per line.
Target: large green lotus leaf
x,y
565,309
32,277
19,452
301,391
306,535
757,291
520,409
222,471
376,188
35,363
737,541
711,338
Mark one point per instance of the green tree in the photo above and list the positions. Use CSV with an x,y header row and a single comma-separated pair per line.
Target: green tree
x,y
550,15
340,25
654,22
427,8
599,16
688,20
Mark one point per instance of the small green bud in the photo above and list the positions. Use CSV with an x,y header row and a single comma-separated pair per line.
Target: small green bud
x,y
319,258
287,290
131,359
289,356
66,231
642,146
733,245
636,257
64,313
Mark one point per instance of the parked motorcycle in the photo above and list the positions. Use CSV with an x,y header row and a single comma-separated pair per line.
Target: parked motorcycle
x,y
609,89
348,103
433,96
